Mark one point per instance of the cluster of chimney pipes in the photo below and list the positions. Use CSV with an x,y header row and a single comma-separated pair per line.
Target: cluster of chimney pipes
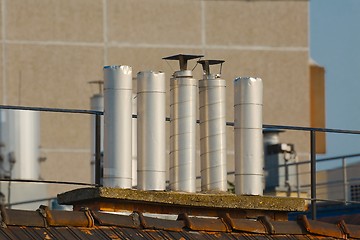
x,y
151,138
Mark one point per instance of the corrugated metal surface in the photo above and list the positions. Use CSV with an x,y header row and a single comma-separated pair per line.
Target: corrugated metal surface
x,y
97,232
17,224
65,233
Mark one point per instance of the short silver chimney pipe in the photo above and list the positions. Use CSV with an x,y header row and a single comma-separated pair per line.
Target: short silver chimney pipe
x,y
248,101
151,150
117,129
183,95
212,105
134,141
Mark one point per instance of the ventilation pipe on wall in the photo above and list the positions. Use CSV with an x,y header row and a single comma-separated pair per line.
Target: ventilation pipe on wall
x,y
151,130
183,93
96,104
117,126
212,90
134,142
3,143
248,102
20,135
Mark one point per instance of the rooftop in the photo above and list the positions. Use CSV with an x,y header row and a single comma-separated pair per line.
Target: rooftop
x,y
89,224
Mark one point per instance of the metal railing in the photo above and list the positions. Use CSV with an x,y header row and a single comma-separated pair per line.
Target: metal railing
x,y
98,165
73,111
313,159
339,172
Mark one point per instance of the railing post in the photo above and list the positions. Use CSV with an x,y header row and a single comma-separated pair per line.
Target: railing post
x,y
313,173
98,163
297,177
345,181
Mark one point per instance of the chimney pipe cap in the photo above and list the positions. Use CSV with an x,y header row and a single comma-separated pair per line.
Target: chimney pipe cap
x,y
183,59
207,63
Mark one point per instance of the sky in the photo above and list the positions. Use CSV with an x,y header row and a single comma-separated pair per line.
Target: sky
x,y
335,44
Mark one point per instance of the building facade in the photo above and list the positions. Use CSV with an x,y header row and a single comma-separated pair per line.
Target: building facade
x,y
51,49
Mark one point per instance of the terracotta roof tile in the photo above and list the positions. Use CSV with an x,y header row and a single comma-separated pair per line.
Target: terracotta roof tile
x,y
86,224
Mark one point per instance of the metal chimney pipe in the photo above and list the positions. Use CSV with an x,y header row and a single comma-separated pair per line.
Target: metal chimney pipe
x,y
26,143
183,93
96,104
151,131
117,126
248,102
212,98
134,142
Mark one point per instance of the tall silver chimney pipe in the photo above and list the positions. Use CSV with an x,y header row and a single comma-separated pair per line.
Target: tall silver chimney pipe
x,y
212,98
117,129
96,104
183,93
248,102
151,131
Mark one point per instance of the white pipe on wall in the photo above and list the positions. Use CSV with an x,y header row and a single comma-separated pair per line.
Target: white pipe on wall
x,y
117,126
28,143
21,141
134,142
151,143
248,101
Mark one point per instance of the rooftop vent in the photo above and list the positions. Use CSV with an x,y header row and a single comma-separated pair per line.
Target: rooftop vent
x,y
183,94
212,90
20,142
117,129
151,131
248,136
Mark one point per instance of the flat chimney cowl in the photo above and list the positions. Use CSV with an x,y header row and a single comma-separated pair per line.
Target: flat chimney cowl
x,y
206,68
183,59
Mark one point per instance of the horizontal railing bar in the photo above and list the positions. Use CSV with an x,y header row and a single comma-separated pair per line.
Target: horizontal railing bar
x,y
331,200
330,130
46,181
265,126
30,201
321,160
59,110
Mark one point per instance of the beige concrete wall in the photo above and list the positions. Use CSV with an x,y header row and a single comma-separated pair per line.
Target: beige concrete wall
x,y
50,50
